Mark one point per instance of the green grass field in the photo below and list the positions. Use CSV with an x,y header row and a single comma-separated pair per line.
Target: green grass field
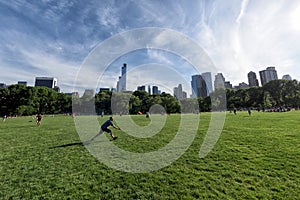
x,y
256,157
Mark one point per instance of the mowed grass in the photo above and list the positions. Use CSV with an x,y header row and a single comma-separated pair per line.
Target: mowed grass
x,y
256,157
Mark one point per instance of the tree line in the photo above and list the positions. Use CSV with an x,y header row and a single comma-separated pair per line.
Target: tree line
x,y
274,94
24,100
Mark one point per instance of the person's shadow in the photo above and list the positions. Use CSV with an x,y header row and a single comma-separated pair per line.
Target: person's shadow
x,y
74,144
68,145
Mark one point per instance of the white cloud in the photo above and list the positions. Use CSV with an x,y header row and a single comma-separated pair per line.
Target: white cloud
x,y
256,37
242,11
238,36
108,16
159,56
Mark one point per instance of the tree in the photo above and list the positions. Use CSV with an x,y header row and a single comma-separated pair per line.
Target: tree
x,y
170,103
144,97
256,97
103,102
275,89
4,95
134,104
120,103
22,100
291,93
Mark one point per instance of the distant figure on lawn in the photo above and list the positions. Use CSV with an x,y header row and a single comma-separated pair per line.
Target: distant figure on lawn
x,y
249,111
39,119
147,114
104,128
4,118
234,111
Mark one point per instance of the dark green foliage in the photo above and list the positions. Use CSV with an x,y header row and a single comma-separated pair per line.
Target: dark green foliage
x,y
22,100
132,103
275,93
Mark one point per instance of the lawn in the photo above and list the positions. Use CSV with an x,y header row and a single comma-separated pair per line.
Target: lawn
x,y
256,157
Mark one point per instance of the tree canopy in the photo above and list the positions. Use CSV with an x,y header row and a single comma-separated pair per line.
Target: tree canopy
x,y
22,100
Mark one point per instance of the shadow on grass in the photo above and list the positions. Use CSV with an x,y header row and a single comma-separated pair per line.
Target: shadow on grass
x,y
68,145
74,144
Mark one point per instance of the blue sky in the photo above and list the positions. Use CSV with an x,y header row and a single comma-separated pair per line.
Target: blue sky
x,y
55,38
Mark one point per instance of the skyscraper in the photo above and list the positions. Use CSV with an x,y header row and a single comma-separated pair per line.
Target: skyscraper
x,y
207,77
286,77
155,90
141,88
121,84
199,88
49,82
228,85
89,92
252,80
219,81
267,75
178,93
123,78
2,85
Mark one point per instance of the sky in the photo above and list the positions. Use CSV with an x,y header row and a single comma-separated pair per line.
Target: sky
x,y
62,38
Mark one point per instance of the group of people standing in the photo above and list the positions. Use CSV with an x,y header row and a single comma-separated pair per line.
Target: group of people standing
x,y
248,110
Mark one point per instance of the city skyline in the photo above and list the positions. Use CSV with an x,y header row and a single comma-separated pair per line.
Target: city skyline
x,y
238,37
219,81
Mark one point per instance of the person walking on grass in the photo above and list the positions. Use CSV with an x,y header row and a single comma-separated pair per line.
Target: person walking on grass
x,y
4,118
39,119
234,111
249,111
104,128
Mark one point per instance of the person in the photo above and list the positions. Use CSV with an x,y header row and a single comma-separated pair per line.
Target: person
x,y
147,114
104,128
4,118
39,119
249,111
234,111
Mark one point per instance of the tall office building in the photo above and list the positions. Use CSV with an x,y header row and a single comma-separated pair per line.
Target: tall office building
x,y
207,77
242,85
287,77
149,89
89,92
123,77
141,88
252,80
184,94
49,82
121,84
178,93
267,75
199,88
2,85
155,90
228,85
219,81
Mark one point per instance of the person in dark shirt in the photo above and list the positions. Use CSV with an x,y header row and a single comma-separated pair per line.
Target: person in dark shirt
x,y
39,119
104,128
249,111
